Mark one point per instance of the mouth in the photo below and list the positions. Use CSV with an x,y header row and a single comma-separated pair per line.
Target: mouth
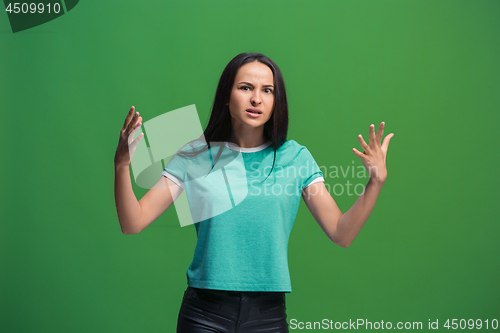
x,y
254,111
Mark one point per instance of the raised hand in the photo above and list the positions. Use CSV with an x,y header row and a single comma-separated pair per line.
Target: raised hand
x,y
126,146
375,153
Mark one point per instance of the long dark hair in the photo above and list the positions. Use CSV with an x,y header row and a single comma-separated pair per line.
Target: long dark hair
x,y
219,125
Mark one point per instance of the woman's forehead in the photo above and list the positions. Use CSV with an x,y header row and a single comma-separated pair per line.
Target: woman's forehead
x,y
255,71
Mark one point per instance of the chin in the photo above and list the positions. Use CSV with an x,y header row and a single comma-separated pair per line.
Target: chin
x,y
254,123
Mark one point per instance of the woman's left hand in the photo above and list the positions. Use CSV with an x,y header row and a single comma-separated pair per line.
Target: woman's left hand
x,y
374,154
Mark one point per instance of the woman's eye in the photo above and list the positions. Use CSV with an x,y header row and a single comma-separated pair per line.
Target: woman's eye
x,y
269,91
244,88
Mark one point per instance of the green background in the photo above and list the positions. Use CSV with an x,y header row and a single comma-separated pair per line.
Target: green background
x,y
429,69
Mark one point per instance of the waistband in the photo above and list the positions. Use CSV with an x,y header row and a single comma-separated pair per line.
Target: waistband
x,y
234,298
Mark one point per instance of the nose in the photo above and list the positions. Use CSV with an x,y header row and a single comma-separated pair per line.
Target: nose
x,y
255,99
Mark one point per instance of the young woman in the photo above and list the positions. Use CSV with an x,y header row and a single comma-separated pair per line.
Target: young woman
x,y
239,274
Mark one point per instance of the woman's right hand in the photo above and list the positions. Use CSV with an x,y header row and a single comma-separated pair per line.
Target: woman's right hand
x,y
126,149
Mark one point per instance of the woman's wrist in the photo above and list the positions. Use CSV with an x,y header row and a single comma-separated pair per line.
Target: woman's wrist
x,y
377,181
121,167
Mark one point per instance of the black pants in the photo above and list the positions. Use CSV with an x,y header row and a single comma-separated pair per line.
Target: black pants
x,y
219,311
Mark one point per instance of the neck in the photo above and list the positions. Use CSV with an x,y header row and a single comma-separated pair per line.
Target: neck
x,y
249,138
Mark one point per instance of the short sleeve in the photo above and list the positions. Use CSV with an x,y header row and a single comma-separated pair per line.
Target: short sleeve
x,y
309,170
188,163
175,170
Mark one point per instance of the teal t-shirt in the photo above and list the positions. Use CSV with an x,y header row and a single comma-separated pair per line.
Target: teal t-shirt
x,y
243,220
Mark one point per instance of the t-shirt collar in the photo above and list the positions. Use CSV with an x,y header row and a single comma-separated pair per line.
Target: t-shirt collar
x,y
233,146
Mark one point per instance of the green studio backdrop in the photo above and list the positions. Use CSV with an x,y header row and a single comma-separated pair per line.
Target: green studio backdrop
x,y
429,69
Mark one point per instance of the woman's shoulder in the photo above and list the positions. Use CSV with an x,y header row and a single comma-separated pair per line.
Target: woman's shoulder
x,y
292,148
292,144
293,153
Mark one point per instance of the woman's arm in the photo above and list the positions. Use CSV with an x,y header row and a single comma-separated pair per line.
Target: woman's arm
x,y
135,215
342,229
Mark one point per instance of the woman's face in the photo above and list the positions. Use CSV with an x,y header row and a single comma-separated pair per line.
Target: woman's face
x,y
252,96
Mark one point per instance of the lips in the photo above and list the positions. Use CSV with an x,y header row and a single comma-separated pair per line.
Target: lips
x,y
254,111
254,114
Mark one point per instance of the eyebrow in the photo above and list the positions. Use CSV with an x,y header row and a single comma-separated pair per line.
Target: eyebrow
x,y
266,85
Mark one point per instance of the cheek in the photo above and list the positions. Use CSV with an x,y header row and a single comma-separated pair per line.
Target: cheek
x,y
231,104
270,115
270,102
235,100
231,109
